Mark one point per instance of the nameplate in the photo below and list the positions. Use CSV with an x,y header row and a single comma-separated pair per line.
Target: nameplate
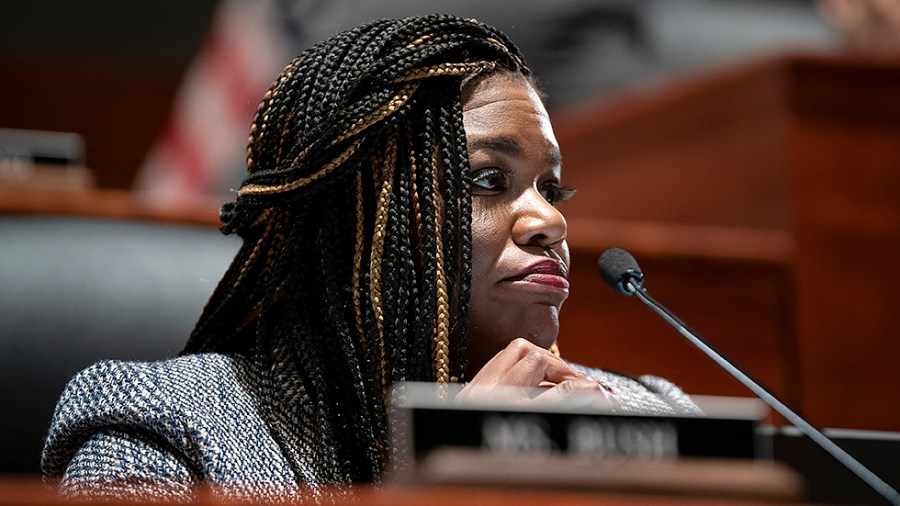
x,y
425,418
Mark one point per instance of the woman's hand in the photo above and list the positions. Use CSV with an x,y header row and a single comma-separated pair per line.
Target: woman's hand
x,y
524,364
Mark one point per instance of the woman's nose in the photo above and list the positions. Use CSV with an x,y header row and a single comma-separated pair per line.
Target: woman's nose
x,y
538,222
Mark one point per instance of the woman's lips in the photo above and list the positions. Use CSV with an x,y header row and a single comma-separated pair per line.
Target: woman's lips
x,y
548,273
547,279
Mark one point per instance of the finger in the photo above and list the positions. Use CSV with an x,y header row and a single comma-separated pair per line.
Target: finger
x,y
537,365
581,392
523,363
506,358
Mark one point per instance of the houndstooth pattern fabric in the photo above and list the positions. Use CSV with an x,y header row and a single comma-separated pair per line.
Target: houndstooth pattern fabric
x,y
139,430
158,430
648,395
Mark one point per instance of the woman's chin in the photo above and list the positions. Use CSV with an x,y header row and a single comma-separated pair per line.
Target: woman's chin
x,y
544,340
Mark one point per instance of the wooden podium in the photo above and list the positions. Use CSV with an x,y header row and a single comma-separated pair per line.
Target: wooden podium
x,y
763,204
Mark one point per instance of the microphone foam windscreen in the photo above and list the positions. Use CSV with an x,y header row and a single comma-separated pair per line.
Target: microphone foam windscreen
x,y
614,264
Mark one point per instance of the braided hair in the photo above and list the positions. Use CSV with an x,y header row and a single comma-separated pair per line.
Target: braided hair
x,y
356,224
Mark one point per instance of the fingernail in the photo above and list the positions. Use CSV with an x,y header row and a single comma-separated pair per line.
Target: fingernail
x,y
607,388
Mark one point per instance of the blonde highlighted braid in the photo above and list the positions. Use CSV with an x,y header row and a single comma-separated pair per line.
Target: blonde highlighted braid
x,y
356,221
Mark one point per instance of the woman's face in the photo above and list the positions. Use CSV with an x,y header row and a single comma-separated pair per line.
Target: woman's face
x,y
520,257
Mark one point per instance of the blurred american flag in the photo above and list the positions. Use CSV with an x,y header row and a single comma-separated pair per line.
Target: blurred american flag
x,y
201,150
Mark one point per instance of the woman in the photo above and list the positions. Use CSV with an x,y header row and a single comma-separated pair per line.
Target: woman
x,y
398,224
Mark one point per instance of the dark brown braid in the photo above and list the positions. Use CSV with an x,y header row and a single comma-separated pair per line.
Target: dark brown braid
x,y
356,220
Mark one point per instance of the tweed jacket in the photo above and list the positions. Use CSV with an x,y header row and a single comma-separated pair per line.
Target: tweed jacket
x,y
160,429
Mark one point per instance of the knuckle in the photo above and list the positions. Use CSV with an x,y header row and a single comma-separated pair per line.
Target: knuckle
x,y
521,346
533,357
581,385
566,387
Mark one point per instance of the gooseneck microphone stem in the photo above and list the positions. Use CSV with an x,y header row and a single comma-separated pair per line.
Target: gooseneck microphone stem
x,y
632,284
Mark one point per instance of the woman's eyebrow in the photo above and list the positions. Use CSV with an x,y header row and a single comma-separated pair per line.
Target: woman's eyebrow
x,y
511,147
504,145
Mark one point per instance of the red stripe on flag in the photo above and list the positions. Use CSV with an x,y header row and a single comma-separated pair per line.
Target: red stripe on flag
x,y
187,162
230,72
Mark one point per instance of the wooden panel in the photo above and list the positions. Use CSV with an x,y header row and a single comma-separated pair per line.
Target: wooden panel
x,y
846,201
765,200
692,178
742,305
118,108
106,70
709,150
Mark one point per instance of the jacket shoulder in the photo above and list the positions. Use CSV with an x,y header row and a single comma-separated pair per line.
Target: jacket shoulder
x,y
198,406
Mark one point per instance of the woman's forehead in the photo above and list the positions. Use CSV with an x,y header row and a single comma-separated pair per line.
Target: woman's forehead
x,y
507,109
498,87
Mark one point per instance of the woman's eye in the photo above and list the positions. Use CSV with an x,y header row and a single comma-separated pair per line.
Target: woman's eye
x,y
554,192
489,181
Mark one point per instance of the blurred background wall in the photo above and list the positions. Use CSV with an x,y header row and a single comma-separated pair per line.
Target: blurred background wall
x,y
135,78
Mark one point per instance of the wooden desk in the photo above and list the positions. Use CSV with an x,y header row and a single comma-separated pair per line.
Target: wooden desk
x,y
104,203
30,492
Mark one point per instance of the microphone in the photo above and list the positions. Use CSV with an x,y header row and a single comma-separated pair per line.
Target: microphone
x,y
621,272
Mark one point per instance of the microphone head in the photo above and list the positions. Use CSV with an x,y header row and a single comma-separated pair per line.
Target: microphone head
x,y
617,267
